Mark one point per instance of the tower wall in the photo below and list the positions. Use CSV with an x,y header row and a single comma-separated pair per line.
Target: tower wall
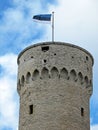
x,y
55,85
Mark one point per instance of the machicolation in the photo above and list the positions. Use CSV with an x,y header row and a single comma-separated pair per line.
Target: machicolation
x,y
45,73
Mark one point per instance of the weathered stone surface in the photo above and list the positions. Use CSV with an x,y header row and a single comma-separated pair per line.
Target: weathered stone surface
x,y
55,80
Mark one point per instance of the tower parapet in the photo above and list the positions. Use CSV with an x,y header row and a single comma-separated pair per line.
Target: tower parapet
x,y
54,84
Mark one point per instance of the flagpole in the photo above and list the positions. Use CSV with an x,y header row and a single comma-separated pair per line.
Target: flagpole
x,y
52,26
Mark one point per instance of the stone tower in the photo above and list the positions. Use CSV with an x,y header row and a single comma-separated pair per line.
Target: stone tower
x,y
54,85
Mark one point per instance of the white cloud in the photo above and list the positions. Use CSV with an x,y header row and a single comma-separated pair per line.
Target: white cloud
x,y
9,63
76,21
8,103
17,20
94,127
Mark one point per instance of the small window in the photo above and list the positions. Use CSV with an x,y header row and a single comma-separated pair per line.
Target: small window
x,y
82,111
31,109
87,58
45,60
45,48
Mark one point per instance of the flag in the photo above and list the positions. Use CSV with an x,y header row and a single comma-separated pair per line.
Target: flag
x,y
46,18
42,17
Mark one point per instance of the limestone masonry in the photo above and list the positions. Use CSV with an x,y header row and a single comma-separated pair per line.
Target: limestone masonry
x,y
54,85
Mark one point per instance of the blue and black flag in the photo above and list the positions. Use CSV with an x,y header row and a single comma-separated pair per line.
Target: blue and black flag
x,y
42,17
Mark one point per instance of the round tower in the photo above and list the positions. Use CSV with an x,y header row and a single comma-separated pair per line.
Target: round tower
x,y
54,85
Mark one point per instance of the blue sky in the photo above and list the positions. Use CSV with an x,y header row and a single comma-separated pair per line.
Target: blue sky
x,y
76,22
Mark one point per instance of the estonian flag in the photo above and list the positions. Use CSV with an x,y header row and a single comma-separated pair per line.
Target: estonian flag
x,y
42,17
46,18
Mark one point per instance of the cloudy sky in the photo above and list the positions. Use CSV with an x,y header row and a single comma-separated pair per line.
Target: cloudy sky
x,y
76,22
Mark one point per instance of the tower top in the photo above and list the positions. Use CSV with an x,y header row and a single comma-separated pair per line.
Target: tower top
x,y
55,43
54,85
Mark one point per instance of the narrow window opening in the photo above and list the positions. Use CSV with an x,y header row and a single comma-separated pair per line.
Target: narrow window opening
x,y
87,58
82,111
31,109
45,61
45,48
